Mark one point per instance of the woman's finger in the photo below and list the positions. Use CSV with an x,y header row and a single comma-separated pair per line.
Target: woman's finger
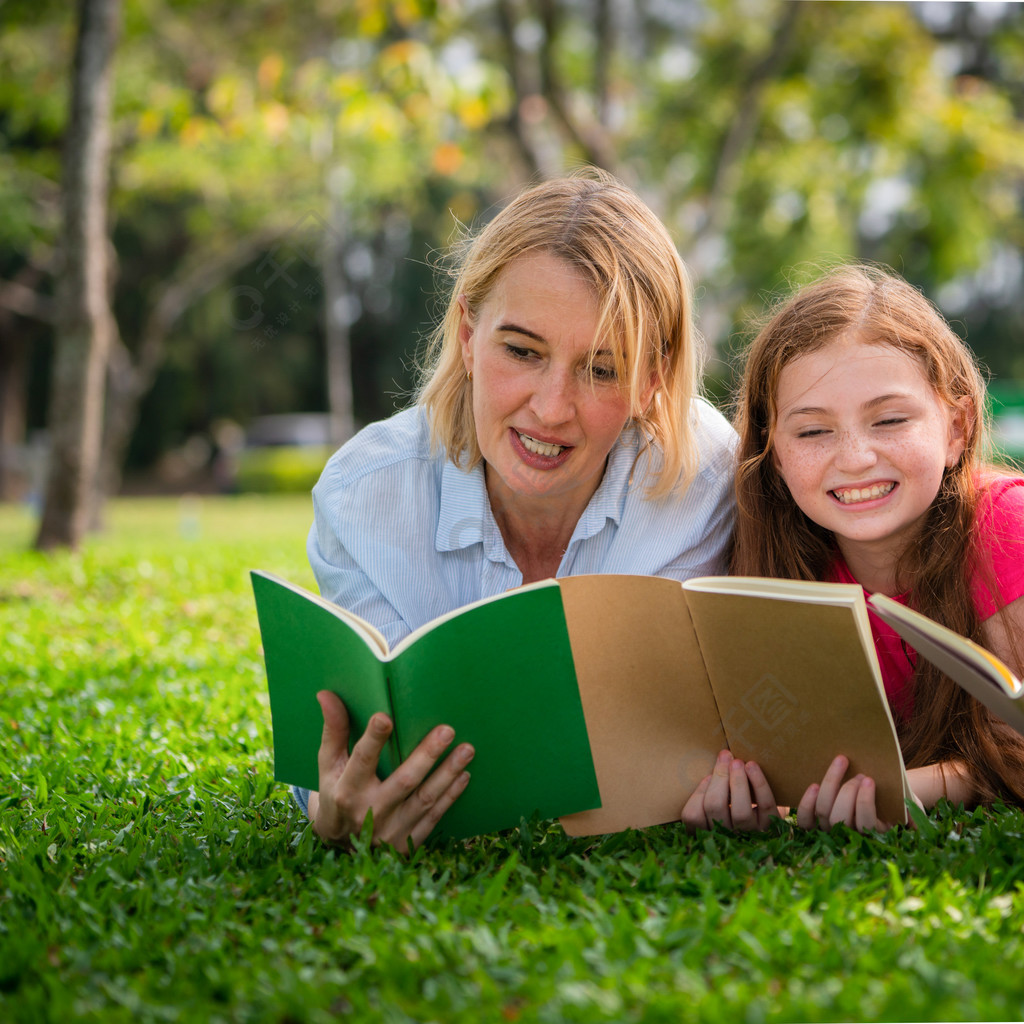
x,y
426,803
718,795
361,769
693,816
741,803
333,753
762,793
408,776
426,824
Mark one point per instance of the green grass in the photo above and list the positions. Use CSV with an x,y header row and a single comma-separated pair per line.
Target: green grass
x,y
150,869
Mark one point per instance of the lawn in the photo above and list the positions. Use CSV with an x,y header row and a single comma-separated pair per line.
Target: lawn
x,y
151,870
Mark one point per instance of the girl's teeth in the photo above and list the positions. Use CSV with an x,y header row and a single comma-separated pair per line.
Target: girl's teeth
x,y
540,447
849,496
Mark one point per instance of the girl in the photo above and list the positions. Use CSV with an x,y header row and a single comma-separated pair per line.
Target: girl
x,y
862,425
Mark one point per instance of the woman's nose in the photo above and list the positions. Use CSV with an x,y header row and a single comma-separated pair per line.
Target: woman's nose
x,y
553,399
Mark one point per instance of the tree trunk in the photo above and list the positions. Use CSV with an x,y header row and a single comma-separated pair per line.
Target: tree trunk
x,y
337,317
13,385
85,324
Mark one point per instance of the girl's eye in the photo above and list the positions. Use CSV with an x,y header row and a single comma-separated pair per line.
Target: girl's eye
x,y
892,421
812,432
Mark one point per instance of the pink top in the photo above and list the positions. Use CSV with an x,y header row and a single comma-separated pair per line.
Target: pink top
x,y
999,532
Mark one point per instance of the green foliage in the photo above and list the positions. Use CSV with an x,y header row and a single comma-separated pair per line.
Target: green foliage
x,y
280,468
152,871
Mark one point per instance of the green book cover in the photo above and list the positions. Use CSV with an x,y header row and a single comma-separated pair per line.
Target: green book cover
x,y
500,672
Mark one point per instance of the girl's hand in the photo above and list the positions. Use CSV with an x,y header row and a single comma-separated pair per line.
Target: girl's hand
x,y
835,802
735,794
405,807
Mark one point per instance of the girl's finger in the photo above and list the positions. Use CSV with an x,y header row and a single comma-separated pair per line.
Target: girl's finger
x,y
830,786
806,812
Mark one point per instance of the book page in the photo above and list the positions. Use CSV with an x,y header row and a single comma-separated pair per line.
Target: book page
x,y
370,634
977,670
653,724
796,685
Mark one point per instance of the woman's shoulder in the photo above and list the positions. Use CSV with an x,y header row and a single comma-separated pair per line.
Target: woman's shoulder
x,y
715,437
403,438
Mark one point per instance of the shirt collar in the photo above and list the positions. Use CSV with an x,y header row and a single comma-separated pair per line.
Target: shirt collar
x,y
463,507
609,500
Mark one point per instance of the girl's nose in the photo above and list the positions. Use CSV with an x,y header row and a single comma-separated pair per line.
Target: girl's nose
x,y
854,451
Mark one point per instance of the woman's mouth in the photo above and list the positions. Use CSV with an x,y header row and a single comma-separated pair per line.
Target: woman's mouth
x,y
531,444
853,495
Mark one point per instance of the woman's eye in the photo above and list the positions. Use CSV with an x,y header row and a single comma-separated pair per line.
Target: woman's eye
x,y
891,421
603,374
517,351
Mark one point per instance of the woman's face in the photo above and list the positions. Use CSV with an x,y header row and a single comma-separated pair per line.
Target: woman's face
x,y
546,418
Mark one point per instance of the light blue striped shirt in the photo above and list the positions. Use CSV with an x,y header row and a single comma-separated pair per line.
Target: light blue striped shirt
x,y
402,535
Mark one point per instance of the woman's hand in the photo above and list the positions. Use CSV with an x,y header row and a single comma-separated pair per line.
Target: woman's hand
x,y
405,807
850,803
736,794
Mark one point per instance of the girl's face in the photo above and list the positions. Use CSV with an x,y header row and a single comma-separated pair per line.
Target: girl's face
x,y
862,440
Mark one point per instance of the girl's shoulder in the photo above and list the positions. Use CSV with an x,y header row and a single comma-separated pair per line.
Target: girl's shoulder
x,y
1000,499
998,576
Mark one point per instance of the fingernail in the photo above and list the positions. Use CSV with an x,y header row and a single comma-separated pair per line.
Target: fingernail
x,y
724,757
464,755
445,734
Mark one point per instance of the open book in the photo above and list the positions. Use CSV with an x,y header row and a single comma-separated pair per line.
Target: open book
x,y
977,670
602,700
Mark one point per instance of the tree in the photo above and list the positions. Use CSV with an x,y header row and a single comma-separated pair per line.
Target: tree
x,y
85,326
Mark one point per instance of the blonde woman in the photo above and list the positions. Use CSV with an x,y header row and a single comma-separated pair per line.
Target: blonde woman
x,y
558,431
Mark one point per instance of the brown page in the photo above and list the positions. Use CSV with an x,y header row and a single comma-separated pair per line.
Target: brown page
x,y
795,688
650,713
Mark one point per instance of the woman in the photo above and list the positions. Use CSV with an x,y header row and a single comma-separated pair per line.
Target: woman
x,y
558,432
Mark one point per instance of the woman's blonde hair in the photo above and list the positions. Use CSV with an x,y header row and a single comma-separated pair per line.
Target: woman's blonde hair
x,y
605,231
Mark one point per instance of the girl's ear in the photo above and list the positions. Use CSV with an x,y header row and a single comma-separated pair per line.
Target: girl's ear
x,y
961,426
465,333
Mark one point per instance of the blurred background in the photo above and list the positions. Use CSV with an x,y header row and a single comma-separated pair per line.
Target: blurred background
x,y
285,179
